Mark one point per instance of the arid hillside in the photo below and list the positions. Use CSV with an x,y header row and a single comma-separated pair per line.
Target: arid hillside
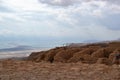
x,y
90,53
86,62
28,70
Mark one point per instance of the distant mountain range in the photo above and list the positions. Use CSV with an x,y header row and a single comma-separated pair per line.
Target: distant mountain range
x,y
17,48
91,42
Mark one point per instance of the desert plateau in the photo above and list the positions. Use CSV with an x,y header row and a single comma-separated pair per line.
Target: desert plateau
x,y
86,62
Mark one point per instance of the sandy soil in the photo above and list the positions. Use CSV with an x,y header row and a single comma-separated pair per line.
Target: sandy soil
x,y
19,54
27,70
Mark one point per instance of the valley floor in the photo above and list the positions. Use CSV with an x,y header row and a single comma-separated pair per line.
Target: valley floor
x,y
27,70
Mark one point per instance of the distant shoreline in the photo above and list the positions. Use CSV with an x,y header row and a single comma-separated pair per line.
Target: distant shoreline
x,y
18,54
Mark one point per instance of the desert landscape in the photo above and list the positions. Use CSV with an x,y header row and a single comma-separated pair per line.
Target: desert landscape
x,y
87,62
59,39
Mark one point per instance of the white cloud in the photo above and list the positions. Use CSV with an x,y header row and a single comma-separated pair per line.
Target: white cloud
x,y
86,7
6,32
1,19
60,17
22,6
13,16
97,13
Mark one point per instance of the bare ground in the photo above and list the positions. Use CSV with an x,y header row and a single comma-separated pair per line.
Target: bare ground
x,y
27,70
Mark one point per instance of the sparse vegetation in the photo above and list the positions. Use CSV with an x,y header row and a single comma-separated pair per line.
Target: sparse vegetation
x,y
88,62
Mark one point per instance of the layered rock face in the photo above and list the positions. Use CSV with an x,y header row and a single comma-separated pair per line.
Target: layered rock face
x,y
102,53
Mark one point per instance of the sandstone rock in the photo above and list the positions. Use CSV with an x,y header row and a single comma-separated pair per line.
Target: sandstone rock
x,y
33,55
83,56
50,55
104,61
113,55
65,55
37,56
104,52
91,53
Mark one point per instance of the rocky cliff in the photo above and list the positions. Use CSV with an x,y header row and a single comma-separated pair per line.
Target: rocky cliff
x,y
89,53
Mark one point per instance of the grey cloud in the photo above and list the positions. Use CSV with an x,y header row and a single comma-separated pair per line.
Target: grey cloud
x,y
60,2
113,1
72,2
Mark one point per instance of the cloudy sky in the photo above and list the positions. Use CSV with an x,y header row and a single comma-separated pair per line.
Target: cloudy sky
x,y
62,19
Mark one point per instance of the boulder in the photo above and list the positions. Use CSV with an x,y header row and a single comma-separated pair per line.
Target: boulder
x,y
112,56
91,53
37,56
84,56
65,55
51,53
101,53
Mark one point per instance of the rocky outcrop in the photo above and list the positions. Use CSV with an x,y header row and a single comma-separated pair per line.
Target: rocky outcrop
x,y
65,55
104,61
37,56
83,55
92,53
112,56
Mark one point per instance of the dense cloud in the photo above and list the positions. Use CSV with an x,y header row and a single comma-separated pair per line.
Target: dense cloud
x,y
113,1
84,19
96,6
72,2
59,2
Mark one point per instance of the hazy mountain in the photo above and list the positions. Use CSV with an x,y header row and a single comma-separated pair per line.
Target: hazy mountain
x,y
17,48
119,39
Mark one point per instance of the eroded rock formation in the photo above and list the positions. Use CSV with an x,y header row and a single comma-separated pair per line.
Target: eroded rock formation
x,y
102,53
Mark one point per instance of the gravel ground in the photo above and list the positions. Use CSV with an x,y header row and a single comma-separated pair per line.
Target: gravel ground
x,y
26,70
